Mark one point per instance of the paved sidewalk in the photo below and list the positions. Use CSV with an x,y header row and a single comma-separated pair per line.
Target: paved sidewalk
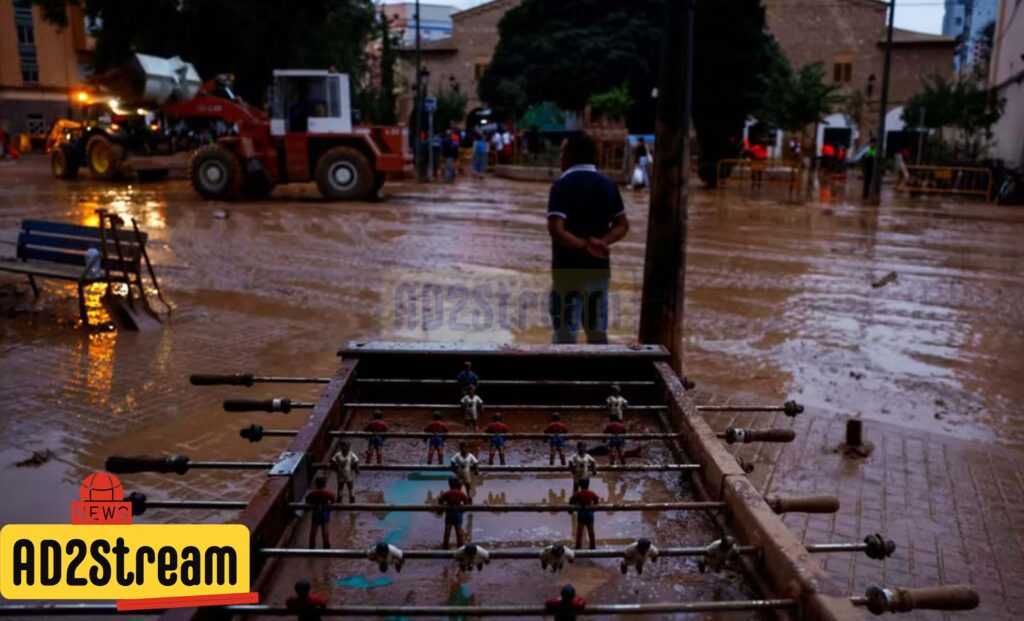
x,y
955,509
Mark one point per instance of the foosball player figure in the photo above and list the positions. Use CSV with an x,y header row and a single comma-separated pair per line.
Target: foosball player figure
x,y
567,607
466,377
385,555
638,553
435,443
615,430
582,465
583,502
472,406
318,498
307,606
471,555
466,467
345,464
451,502
497,429
556,556
616,403
375,444
556,431
718,555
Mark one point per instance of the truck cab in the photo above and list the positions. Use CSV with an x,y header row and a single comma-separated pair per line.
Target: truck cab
x,y
310,101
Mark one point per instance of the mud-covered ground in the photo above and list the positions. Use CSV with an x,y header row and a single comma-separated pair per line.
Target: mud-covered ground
x,y
780,305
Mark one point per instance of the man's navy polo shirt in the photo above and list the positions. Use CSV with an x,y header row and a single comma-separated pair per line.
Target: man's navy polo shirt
x,y
589,203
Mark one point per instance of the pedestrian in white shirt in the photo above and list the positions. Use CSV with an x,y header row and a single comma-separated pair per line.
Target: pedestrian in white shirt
x,y
346,466
385,555
466,467
472,406
617,404
470,556
638,553
582,466
556,556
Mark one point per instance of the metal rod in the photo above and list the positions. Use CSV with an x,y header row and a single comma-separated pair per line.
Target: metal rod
x,y
266,465
494,406
822,548
511,382
460,435
495,554
429,508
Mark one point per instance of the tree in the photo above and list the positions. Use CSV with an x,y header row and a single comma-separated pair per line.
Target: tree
x,y
247,38
451,108
378,97
795,99
964,104
613,104
566,51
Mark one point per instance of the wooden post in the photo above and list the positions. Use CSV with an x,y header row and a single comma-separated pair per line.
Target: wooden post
x,y
661,313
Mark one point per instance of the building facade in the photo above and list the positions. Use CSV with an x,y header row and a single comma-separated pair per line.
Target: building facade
x,y
435,21
40,66
848,36
1006,76
967,20
459,61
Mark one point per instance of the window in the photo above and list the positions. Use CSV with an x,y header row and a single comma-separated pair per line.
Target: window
x,y
25,31
26,36
842,68
35,123
479,69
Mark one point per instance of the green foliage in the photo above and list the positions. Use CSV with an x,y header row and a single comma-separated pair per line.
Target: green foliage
x,y
732,56
248,38
565,51
613,104
964,105
451,109
795,99
378,100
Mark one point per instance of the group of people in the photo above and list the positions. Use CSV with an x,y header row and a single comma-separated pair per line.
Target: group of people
x,y
452,148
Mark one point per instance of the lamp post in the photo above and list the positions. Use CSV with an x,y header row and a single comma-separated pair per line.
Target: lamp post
x,y
878,166
418,99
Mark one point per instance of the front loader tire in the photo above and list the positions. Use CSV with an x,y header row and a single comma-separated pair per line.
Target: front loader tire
x,y
215,173
344,173
63,163
104,157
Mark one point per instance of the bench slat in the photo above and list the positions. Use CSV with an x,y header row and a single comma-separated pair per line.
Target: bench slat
x,y
71,258
49,270
74,230
75,243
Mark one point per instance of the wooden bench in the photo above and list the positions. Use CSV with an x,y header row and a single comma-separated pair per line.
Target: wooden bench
x,y
59,251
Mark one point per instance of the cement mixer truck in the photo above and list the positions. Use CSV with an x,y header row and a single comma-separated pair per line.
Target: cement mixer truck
x,y
124,129
235,149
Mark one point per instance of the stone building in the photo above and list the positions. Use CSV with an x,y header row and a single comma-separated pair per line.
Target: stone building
x,y
40,66
435,20
848,36
1006,76
459,61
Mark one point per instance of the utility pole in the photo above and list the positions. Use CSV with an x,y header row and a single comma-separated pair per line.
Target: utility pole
x,y
878,167
418,101
661,312
920,136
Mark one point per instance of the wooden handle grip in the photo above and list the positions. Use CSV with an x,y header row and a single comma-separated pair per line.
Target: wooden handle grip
x,y
804,504
236,379
258,405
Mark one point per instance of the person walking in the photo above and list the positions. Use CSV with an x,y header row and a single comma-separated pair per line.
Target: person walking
x,y
585,217
479,156
643,160
869,168
450,152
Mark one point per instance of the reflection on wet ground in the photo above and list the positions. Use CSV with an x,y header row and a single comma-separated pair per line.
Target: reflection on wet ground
x,y
780,304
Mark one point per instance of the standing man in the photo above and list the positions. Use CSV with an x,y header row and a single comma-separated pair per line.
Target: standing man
x,y
585,217
583,502
320,513
346,466
497,429
435,442
643,160
869,168
616,443
375,444
466,467
451,502
556,431
583,466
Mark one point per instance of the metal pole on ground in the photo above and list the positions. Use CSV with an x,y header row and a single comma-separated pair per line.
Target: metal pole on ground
x,y
878,167
661,313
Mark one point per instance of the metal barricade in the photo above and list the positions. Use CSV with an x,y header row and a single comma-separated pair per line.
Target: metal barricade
x,y
962,180
759,172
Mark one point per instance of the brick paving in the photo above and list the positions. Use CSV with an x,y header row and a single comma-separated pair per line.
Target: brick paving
x,y
955,509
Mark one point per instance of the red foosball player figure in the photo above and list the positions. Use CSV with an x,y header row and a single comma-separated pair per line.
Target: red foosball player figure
x,y
616,442
584,502
435,443
556,431
378,428
451,502
307,606
567,607
318,498
497,429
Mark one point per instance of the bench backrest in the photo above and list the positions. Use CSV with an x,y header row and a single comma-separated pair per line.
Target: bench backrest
x,y
58,242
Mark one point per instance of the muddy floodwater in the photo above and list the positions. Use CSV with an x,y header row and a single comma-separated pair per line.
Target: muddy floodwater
x,y
780,304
